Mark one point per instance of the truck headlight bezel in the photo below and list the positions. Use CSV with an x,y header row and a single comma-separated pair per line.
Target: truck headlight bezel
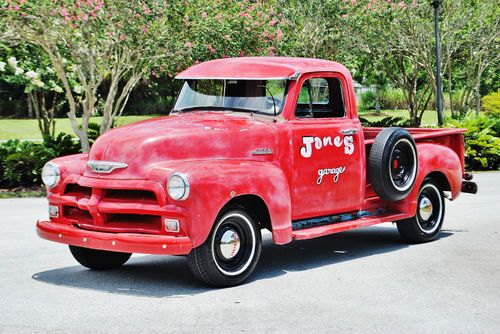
x,y
178,186
51,175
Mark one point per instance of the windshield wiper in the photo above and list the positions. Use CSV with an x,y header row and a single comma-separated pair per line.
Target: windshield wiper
x,y
272,97
214,108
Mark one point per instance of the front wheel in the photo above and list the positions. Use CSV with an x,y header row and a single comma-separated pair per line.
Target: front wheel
x,y
98,259
427,223
230,253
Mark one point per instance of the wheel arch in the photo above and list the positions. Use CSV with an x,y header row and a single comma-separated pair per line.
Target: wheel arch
x,y
255,206
440,179
442,164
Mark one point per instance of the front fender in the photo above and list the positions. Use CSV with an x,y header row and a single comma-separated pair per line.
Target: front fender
x,y
69,166
214,183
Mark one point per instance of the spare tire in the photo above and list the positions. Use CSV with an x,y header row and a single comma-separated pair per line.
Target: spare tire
x,y
393,164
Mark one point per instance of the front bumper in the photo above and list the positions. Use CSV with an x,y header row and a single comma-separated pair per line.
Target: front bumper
x,y
117,242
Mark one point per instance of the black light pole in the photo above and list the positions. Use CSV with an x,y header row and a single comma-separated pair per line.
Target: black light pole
x,y
439,97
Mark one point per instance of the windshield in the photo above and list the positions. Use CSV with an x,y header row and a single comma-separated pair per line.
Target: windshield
x,y
261,96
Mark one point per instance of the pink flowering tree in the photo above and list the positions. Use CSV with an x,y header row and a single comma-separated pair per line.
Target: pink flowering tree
x,y
107,47
312,29
224,29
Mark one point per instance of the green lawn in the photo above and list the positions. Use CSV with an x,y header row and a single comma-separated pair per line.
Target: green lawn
x,y
28,128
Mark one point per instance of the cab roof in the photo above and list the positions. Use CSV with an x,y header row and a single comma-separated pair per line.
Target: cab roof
x,y
263,68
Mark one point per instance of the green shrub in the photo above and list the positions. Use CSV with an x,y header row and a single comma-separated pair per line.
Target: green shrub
x,y
367,101
386,122
389,98
63,144
482,142
456,96
6,149
94,131
21,162
24,162
150,106
491,104
392,99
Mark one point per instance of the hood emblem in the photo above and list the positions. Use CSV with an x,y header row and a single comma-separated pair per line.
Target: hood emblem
x,y
105,167
262,151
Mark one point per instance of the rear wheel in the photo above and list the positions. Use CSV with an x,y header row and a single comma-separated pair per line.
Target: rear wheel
x,y
98,259
230,253
427,223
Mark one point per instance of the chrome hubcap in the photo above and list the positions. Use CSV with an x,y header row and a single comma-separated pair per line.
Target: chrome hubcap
x,y
425,208
230,244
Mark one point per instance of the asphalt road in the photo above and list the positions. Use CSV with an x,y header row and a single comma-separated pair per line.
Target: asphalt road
x,y
364,281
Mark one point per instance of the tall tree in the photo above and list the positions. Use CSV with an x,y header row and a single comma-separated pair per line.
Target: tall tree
x,y
481,50
109,46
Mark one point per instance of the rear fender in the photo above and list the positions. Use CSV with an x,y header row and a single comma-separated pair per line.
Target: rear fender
x,y
214,183
433,158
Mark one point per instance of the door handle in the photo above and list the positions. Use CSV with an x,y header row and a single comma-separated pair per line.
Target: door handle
x,y
349,131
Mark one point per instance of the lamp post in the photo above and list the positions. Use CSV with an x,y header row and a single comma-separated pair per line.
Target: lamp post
x,y
439,97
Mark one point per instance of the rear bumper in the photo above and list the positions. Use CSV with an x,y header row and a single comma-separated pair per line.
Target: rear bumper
x,y
469,187
118,242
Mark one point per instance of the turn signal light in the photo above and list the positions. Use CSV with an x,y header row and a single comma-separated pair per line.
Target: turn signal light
x,y
171,225
53,211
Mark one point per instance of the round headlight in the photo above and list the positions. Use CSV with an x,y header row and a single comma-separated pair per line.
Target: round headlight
x,y
51,175
178,186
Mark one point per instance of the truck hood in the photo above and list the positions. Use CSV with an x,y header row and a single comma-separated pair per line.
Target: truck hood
x,y
190,136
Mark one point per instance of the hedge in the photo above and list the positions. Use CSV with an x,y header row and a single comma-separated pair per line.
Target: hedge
x,y
21,162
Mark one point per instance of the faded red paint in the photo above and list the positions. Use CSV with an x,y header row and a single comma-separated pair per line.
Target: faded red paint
x,y
124,210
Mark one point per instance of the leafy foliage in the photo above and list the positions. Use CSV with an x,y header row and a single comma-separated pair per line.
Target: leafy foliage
x,y
110,46
392,99
22,163
389,98
386,122
367,101
63,144
491,104
94,132
482,142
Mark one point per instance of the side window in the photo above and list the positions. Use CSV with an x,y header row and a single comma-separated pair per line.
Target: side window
x,y
320,98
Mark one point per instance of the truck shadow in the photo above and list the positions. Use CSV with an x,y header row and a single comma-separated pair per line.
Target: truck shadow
x,y
169,276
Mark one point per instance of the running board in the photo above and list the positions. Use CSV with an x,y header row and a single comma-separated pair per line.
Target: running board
x,y
319,231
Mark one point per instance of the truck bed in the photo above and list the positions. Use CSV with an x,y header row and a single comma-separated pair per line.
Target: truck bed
x,y
419,134
452,138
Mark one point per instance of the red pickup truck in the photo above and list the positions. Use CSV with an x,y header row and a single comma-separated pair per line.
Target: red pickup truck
x,y
252,143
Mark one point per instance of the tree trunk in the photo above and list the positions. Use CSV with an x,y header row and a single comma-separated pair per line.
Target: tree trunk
x,y
30,106
377,99
450,90
478,97
44,115
56,60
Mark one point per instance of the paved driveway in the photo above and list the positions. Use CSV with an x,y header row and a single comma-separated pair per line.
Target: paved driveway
x,y
361,281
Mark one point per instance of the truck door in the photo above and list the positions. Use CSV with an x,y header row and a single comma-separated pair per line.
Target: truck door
x,y
328,156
